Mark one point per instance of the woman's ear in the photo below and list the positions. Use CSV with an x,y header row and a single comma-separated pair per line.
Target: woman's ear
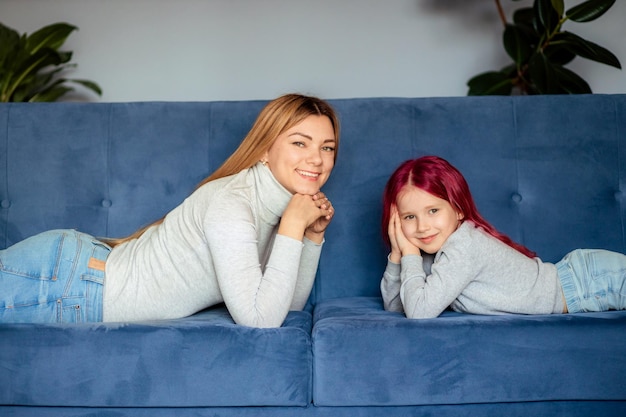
x,y
264,158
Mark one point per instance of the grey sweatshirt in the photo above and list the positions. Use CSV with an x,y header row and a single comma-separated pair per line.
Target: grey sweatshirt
x,y
219,245
475,273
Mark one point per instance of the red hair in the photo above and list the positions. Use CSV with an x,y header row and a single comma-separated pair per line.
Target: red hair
x,y
438,177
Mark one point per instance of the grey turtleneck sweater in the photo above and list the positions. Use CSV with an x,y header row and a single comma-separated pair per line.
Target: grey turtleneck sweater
x,y
473,272
219,245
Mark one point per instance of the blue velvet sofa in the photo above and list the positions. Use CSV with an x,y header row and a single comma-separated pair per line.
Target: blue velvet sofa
x,y
550,171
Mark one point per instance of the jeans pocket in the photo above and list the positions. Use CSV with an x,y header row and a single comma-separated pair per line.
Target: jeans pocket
x,y
36,312
47,278
71,310
605,283
596,299
36,257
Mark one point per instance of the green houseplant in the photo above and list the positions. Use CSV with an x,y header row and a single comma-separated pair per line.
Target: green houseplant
x,y
31,66
540,49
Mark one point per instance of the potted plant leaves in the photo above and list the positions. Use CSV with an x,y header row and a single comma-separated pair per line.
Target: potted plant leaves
x,y
540,50
32,67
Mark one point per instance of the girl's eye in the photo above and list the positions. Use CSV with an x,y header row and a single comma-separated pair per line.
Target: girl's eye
x,y
409,217
328,149
433,211
299,144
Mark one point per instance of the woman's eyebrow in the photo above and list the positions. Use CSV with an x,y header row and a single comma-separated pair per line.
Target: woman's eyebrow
x,y
309,137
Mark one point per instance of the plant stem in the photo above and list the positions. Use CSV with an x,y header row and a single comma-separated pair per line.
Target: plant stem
x,y
543,44
501,12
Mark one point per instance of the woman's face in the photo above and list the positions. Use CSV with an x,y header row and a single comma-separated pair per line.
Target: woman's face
x,y
302,157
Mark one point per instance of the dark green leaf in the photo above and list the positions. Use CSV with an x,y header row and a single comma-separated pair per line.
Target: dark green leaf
x,y
524,16
542,75
37,84
39,81
9,40
510,71
516,44
589,10
570,82
64,57
559,54
558,6
51,94
38,61
52,36
490,83
587,49
7,32
27,70
90,85
525,20
548,17
20,96
23,75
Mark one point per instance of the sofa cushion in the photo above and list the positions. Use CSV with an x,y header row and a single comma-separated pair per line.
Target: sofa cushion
x,y
202,360
365,356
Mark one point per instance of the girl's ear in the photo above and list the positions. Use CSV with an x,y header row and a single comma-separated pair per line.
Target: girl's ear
x,y
459,215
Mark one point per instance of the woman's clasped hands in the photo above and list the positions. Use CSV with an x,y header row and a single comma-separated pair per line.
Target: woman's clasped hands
x,y
307,216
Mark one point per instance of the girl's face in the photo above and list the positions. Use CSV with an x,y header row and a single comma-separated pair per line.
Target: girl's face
x,y
302,157
427,221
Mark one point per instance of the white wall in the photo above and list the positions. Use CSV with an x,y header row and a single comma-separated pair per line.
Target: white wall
x,y
258,49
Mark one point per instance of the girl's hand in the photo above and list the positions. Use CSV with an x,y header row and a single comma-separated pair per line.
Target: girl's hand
x,y
400,245
306,215
396,253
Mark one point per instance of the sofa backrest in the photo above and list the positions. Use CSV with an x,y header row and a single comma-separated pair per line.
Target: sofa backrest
x,y
549,171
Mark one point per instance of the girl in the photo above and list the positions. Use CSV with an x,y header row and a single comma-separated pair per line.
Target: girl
x,y
444,253
249,236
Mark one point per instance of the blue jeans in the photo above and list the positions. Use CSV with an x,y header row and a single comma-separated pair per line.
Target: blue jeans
x,y
593,280
53,277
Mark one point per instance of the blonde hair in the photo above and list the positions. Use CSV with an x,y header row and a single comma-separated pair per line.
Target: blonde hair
x,y
276,117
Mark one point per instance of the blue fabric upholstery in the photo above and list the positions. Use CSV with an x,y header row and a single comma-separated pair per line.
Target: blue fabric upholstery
x,y
526,409
547,170
204,360
365,356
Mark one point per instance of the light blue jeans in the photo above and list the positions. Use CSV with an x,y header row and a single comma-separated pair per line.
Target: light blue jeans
x,y
53,277
593,280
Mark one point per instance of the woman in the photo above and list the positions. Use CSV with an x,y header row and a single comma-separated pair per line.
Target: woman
x,y
250,236
444,253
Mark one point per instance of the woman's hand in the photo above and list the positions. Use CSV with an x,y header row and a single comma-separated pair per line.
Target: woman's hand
x,y
400,245
308,216
315,231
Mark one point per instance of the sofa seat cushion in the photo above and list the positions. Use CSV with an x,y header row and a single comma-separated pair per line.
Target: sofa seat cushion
x,y
202,360
365,356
